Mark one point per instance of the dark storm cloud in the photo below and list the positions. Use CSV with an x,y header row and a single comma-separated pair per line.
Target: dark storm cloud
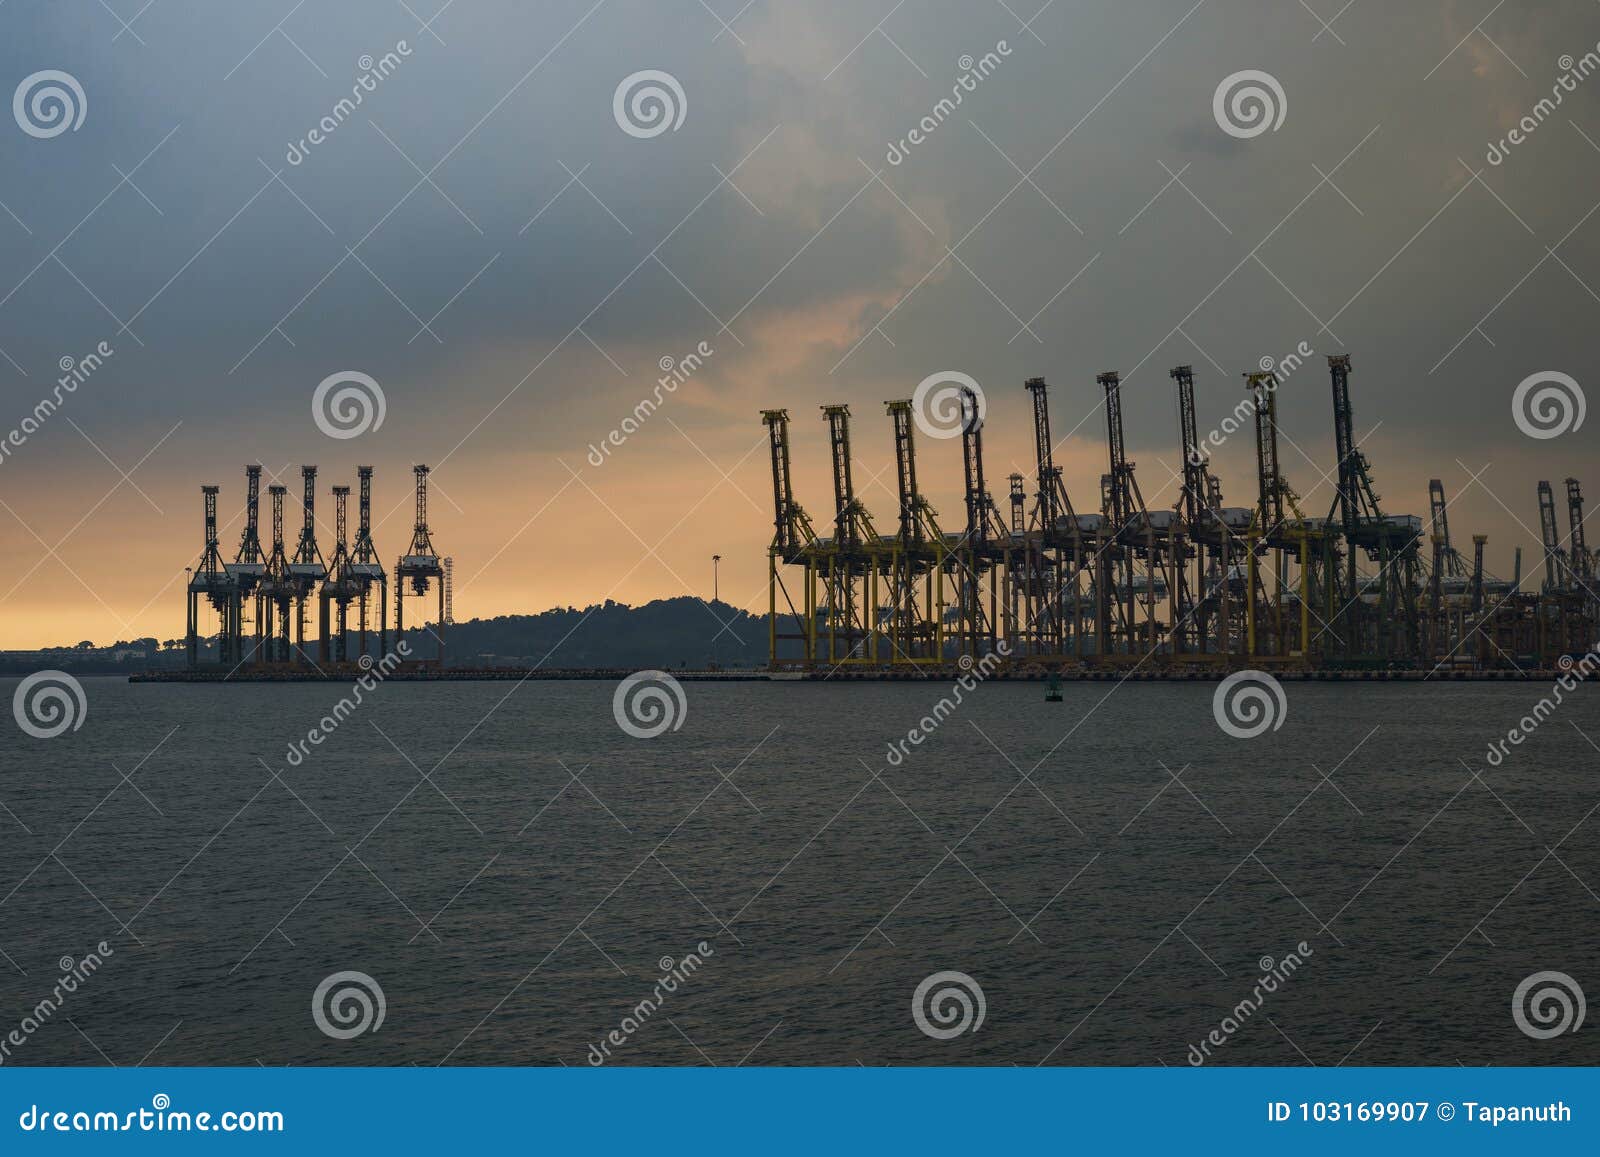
x,y
1201,137
557,258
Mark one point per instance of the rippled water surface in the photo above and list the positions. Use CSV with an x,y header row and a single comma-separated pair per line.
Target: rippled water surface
x,y
511,868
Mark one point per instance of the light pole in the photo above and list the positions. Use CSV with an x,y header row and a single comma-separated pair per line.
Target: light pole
x,y
715,559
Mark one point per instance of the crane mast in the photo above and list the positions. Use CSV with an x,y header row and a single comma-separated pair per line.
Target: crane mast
x,y
1557,576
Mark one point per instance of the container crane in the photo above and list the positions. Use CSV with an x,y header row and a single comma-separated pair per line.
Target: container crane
x,y
419,567
793,542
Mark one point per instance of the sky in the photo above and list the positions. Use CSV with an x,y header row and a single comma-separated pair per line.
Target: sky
x,y
511,255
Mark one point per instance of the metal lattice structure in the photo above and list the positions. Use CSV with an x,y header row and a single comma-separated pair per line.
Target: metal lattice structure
x,y
420,568
270,588
209,579
1197,586
277,590
367,570
341,586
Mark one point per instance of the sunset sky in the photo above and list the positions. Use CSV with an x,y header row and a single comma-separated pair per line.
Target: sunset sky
x,y
483,238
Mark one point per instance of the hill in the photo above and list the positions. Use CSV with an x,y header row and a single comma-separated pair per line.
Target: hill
x,y
666,633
